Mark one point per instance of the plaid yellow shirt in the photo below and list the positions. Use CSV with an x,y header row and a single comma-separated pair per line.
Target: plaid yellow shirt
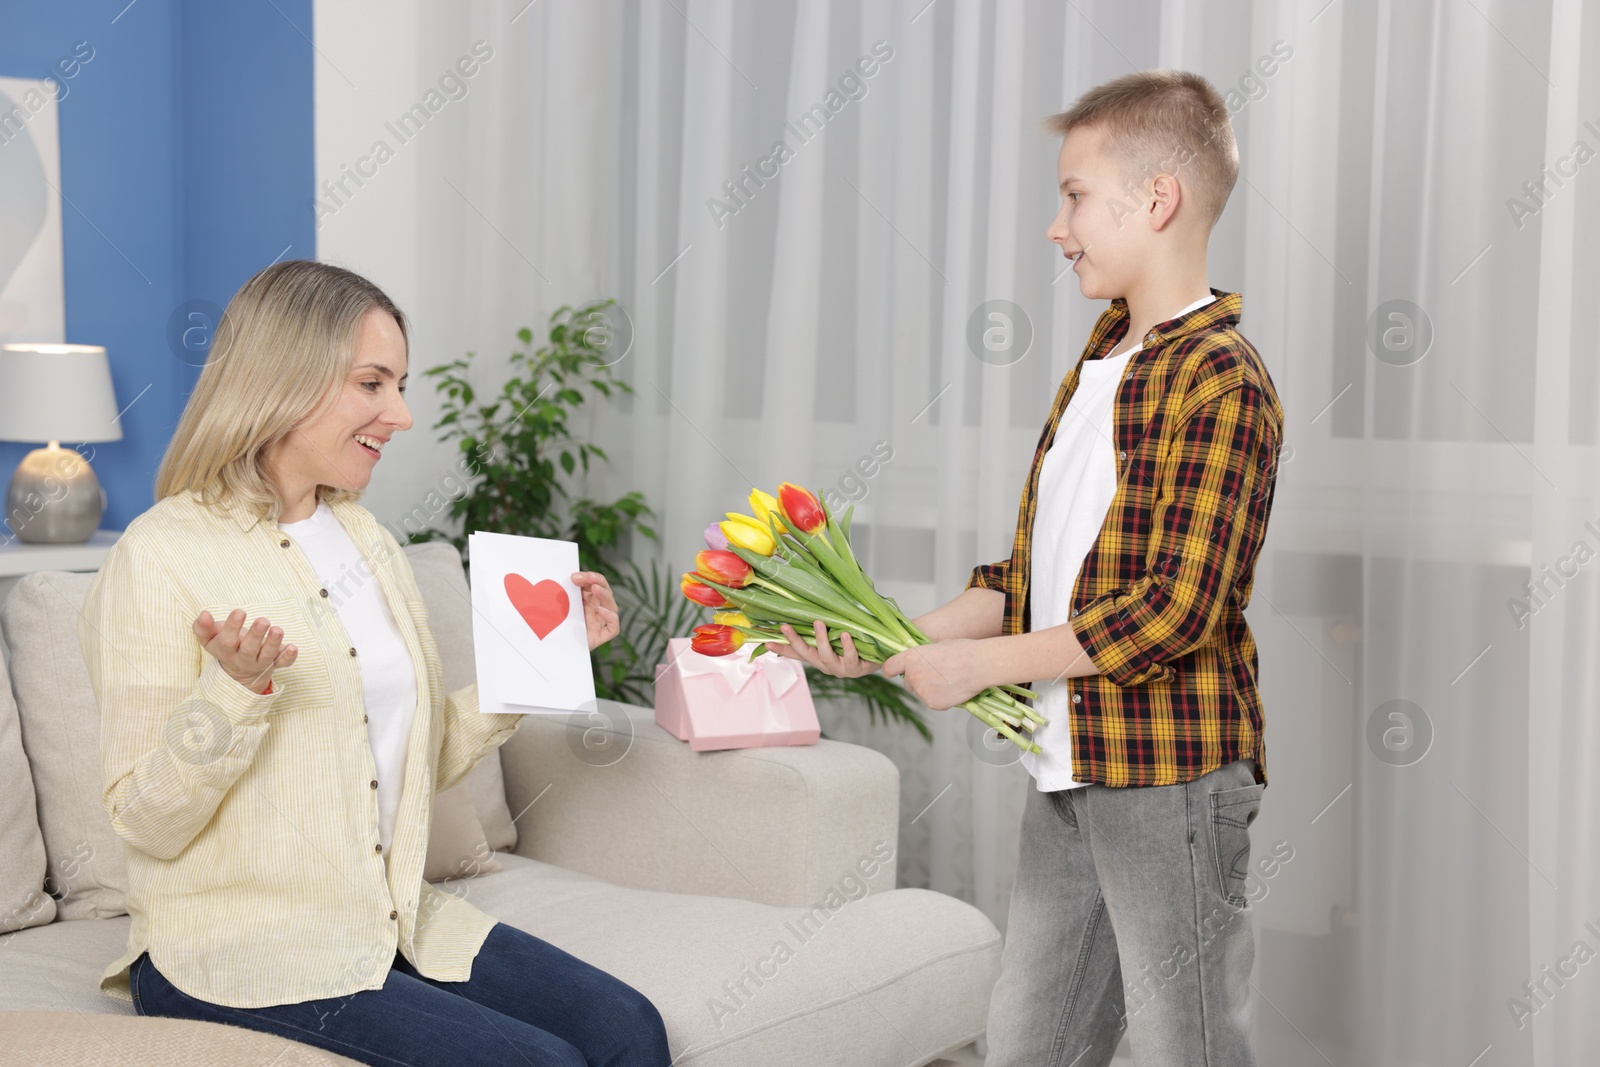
x,y
1159,603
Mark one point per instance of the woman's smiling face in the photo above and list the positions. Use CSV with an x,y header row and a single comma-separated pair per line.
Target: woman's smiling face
x,y
325,450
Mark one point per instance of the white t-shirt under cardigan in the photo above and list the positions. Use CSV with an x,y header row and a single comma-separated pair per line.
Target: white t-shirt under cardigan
x,y
1077,482
386,677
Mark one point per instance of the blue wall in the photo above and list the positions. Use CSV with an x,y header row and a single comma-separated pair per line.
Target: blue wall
x,y
187,165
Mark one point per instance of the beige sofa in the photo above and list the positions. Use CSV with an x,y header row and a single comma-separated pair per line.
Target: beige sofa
x,y
728,886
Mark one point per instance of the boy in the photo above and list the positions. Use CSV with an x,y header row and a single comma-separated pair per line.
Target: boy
x,y
1131,567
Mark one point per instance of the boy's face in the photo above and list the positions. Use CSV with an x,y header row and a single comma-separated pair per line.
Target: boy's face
x,y
1099,224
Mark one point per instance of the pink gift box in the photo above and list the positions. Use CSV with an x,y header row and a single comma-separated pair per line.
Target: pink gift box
x,y
716,702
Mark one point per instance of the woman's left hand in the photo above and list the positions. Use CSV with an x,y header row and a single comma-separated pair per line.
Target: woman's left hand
x,y
599,607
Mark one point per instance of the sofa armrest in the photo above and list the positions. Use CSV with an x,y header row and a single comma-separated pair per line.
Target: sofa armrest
x,y
617,797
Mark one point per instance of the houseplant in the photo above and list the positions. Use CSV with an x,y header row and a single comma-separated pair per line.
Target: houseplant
x,y
526,464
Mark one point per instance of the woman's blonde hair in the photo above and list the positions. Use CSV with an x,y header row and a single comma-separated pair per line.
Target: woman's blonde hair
x,y
280,354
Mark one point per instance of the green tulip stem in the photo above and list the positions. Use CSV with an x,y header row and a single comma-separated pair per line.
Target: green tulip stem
x,y
1000,727
807,583
1027,746
849,575
774,587
864,590
797,612
766,637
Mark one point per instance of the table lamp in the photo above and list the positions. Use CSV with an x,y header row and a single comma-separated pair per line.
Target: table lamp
x,y
55,393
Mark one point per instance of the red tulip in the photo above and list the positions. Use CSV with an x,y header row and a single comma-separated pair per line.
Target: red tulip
x,y
701,593
723,567
801,508
711,640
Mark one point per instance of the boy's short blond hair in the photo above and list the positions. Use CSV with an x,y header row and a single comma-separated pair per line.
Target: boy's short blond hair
x,y
1162,121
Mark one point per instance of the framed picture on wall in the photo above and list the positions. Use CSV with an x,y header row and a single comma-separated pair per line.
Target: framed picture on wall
x,y
32,305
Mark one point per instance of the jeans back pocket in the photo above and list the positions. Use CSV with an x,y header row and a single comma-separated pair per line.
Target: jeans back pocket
x,y
1232,812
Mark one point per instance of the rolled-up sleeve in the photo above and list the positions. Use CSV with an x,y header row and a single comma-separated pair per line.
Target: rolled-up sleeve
x,y
1206,527
176,731
990,576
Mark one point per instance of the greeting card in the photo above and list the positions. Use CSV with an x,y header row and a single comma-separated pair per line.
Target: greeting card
x,y
527,626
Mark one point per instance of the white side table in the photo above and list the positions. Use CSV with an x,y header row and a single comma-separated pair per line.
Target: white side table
x,y
19,558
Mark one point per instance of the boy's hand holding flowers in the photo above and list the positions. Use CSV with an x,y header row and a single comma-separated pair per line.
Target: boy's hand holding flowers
x,y
847,664
944,673
790,564
941,675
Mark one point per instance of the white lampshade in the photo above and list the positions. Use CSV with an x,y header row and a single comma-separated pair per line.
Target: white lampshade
x,y
51,392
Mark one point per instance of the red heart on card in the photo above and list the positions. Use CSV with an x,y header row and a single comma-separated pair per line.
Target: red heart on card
x,y
543,607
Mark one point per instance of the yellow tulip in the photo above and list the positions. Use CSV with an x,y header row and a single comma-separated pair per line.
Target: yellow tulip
x,y
765,504
748,534
730,618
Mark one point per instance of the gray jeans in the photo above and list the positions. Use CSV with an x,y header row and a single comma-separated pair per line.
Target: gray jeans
x,y
1130,911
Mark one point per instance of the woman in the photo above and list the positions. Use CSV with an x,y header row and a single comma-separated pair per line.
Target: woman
x,y
270,753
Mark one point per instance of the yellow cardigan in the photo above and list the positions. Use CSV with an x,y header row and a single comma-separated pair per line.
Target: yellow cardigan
x,y
255,876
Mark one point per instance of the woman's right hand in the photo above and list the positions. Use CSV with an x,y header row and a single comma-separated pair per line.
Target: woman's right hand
x,y
248,656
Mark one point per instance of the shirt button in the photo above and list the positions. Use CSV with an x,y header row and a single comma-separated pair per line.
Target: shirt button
x,y
1077,698
1122,455
352,651
363,718
377,847
394,915
1150,338
322,592
374,783
284,543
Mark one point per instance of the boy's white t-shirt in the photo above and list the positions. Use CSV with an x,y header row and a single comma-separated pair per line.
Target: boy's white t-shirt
x,y
1077,482
389,687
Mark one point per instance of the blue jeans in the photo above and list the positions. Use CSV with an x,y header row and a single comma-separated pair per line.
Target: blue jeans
x,y
526,1002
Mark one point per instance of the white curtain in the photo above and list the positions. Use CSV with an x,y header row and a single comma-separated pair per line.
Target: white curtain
x,y
1432,728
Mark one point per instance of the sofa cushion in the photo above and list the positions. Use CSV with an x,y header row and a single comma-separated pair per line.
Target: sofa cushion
x,y
23,901
893,977
61,735
60,727
129,1041
436,565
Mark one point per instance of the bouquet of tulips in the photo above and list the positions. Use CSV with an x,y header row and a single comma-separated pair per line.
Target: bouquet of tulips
x,y
791,562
